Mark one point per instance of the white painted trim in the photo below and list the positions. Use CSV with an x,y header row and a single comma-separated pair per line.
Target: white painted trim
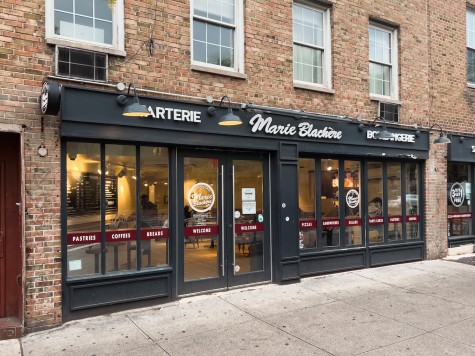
x,y
117,47
384,99
311,86
208,68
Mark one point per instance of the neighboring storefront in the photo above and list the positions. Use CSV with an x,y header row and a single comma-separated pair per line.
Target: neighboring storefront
x,y
171,204
460,176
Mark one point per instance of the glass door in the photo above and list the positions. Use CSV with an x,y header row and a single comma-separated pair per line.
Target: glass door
x,y
223,239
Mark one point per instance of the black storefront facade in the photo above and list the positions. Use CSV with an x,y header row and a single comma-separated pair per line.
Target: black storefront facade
x,y
460,176
158,207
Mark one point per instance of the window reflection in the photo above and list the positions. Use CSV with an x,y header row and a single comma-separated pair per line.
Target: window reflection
x,y
83,208
394,201
459,209
330,204
307,222
352,203
412,201
375,202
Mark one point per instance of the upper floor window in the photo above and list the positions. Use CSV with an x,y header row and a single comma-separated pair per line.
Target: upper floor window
x,y
471,47
89,24
311,51
383,78
217,35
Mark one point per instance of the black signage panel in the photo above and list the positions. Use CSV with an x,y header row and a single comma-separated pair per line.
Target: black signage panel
x,y
461,149
99,107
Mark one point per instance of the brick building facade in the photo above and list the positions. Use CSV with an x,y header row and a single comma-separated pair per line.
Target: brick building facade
x,y
431,89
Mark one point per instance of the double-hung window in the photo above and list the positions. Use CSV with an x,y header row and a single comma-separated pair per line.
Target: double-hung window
x,y
383,77
217,36
96,25
311,50
471,47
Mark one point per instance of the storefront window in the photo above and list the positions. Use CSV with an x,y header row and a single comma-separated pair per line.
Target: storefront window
x,y
307,221
329,174
394,201
375,202
83,208
352,203
154,220
412,201
459,209
105,202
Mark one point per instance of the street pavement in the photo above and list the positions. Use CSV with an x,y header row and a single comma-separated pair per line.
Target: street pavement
x,y
421,308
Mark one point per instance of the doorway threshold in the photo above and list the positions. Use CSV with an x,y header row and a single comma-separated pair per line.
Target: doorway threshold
x,y
10,328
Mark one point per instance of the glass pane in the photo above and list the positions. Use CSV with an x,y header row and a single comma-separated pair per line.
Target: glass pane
x,y
63,24
459,208
102,10
121,208
63,5
470,66
103,32
153,210
63,68
226,37
394,201
83,208
199,51
248,216
353,223
412,201
307,210
213,54
213,34
375,202
199,31
200,8
82,57
228,13
330,204
201,231
84,7
226,57
80,71
84,28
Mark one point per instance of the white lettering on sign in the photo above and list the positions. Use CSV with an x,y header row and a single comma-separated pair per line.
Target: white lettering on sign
x,y
84,238
304,129
331,223
249,227
473,149
376,220
307,224
121,236
175,114
154,233
202,231
457,194
352,222
397,137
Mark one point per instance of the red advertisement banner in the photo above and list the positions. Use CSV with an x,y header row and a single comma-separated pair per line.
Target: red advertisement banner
x,y
459,216
150,234
331,222
120,235
395,219
84,238
375,221
203,230
254,227
307,224
353,222
413,218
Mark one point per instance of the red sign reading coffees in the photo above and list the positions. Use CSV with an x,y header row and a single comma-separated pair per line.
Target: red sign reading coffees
x,y
150,234
121,235
203,230
307,224
241,228
84,238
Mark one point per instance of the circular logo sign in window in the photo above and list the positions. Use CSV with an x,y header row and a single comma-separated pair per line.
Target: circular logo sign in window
x,y
352,198
457,194
201,197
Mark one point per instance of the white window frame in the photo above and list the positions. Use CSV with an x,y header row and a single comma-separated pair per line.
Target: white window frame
x,y
117,47
327,85
470,10
238,69
394,86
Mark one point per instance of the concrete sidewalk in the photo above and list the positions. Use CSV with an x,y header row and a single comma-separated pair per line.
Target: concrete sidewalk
x,y
422,308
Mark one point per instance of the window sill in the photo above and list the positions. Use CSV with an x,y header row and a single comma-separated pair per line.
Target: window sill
x,y
229,73
309,86
85,46
471,85
384,99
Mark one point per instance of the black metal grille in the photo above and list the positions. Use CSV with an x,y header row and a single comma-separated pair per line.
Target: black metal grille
x,y
390,112
81,64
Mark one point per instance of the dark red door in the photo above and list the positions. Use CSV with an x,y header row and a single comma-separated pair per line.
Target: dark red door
x,y
10,226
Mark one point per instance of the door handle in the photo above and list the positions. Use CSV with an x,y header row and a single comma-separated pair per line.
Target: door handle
x,y
18,279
